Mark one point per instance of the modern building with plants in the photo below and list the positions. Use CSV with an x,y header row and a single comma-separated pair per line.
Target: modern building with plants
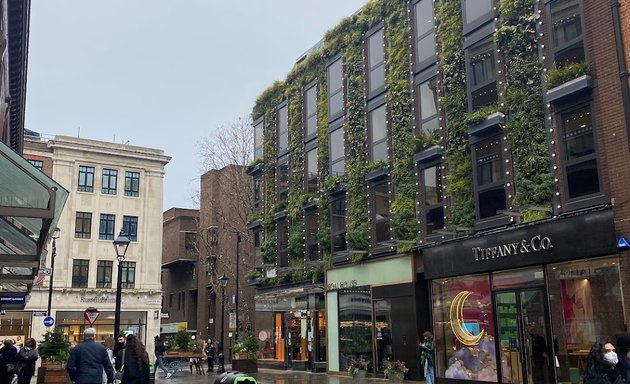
x,y
458,166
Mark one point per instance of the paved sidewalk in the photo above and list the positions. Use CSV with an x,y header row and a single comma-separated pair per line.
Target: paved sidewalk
x,y
272,376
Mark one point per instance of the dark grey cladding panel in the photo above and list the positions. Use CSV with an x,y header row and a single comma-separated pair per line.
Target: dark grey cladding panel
x,y
576,237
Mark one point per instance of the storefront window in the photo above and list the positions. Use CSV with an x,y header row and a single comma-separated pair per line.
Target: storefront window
x,y
589,293
355,325
72,325
464,332
266,337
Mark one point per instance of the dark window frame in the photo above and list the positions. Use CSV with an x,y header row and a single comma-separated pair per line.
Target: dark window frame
x,y
473,86
130,227
104,272
86,179
495,185
424,77
37,164
370,67
106,228
334,92
334,203
190,241
373,106
283,107
335,128
128,277
259,147
257,184
132,183
83,225
311,243
420,65
427,208
281,184
311,180
282,241
80,273
376,224
109,177
309,115
572,44
480,21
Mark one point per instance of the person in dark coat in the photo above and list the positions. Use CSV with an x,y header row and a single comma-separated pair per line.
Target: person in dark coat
x,y
8,360
602,364
118,348
88,360
622,342
209,349
27,356
159,357
136,362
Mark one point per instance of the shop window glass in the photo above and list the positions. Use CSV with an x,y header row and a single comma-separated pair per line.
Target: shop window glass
x,y
464,329
490,187
428,111
587,299
434,206
482,75
355,325
475,10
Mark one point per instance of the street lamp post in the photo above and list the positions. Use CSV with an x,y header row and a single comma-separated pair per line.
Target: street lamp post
x,y
120,244
223,280
55,236
238,241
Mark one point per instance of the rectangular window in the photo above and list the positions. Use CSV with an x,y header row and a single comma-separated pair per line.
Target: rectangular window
x,y
482,75
106,227
110,181
283,178
283,129
433,199
337,152
310,166
310,112
338,223
171,298
490,185
128,274
86,179
428,106
424,34
83,225
258,139
378,134
258,239
132,184
104,274
130,227
335,89
477,11
283,243
37,164
380,213
566,24
311,230
190,241
580,154
258,192
80,269
376,62
475,313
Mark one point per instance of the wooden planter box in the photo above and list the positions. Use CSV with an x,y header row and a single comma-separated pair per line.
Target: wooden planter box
x,y
244,365
52,374
182,355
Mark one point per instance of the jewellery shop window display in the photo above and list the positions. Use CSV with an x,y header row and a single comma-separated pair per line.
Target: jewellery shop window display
x,y
464,329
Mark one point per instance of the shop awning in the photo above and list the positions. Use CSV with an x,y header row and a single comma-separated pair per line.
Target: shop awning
x,y
30,206
177,263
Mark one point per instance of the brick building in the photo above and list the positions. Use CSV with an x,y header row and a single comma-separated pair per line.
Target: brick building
x,y
454,166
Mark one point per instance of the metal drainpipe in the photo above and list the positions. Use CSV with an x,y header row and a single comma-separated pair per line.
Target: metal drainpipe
x,y
623,72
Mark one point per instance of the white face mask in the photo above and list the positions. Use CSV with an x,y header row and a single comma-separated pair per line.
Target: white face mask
x,y
628,355
611,358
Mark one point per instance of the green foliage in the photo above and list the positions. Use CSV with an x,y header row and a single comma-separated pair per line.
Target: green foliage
x,y
529,215
254,273
559,76
425,141
268,249
182,340
249,343
357,236
404,226
54,347
295,243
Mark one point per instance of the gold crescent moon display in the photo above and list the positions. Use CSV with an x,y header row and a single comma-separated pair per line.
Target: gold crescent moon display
x,y
457,321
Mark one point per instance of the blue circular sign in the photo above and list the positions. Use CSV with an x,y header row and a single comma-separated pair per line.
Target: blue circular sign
x,y
49,321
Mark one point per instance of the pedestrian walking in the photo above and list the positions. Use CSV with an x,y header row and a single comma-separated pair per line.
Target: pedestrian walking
x,y
27,356
426,356
136,362
159,357
209,349
109,347
601,364
8,360
88,360
121,340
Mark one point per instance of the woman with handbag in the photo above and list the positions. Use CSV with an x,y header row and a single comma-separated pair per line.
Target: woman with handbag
x,y
27,356
135,362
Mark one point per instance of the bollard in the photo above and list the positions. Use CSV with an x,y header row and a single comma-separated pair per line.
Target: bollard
x,y
221,367
234,378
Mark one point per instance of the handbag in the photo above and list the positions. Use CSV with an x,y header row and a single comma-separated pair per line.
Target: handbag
x,y
19,367
118,375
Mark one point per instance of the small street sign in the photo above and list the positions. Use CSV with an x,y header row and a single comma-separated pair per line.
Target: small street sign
x,y
39,313
91,314
45,271
49,321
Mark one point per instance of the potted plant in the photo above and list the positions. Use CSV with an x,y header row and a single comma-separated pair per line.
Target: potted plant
x,y
53,351
395,370
246,354
358,367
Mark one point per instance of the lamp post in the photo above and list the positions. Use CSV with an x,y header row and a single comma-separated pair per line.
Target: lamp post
x,y
238,241
120,245
55,236
223,280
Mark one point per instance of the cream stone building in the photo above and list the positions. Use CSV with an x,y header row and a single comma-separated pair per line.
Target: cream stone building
x,y
112,187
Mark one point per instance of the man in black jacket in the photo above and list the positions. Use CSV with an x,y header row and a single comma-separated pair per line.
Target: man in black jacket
x,y
8,359
88,360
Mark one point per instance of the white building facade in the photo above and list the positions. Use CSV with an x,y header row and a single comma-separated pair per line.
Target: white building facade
x,y
112,187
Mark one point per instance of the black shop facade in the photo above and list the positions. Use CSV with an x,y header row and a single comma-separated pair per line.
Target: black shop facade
x,y
524,304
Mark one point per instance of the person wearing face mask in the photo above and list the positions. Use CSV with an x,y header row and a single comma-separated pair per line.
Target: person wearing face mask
x,y
622,341
426,356
602,365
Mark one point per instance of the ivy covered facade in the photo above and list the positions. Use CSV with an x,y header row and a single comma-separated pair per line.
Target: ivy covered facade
x,y
424,140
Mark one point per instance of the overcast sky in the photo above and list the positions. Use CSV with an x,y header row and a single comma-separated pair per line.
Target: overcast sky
x,y
163,73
